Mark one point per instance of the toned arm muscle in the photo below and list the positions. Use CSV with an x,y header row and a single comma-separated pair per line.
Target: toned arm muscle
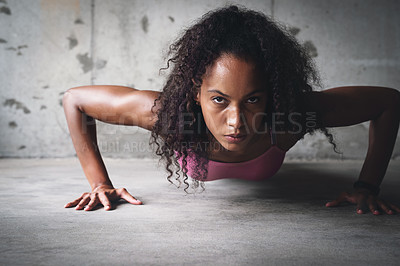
x,y
110,104
116,104
345,106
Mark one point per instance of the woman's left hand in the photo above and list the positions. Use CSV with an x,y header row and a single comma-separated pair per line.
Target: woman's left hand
x,y
365,202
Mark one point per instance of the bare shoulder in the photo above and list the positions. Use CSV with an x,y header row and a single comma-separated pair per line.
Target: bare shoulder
x,y
349,105
141,106
116,104
342,106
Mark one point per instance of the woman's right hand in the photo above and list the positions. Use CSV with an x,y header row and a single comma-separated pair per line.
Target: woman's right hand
x,y
110,104
104,195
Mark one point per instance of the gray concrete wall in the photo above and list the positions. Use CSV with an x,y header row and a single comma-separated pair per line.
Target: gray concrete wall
x,y
49,46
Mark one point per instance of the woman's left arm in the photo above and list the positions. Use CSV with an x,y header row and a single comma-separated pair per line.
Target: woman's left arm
x,y
345,106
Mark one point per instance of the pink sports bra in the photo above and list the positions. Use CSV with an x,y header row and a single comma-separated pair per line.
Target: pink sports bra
x,y
259,168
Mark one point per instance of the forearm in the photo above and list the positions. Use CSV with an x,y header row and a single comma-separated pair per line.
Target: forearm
x,y
382,137
83,134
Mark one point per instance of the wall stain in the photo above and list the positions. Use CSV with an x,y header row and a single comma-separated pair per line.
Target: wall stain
x,y
37,98
310,48
3,41
72,41
21,147
101,64
5,10
18,105
18,49
86,62
3,1
145,24
12,124
171,18
60,101
45,87
78,21
43,107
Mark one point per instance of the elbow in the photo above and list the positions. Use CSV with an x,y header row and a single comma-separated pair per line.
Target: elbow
x,y
70,98
67,98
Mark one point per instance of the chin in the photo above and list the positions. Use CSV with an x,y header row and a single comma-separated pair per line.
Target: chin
x,y
233,147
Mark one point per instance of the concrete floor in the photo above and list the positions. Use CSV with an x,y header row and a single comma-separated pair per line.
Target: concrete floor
x,y
282,221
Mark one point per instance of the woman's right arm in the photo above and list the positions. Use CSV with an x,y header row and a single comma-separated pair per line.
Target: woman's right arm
x,y
110,104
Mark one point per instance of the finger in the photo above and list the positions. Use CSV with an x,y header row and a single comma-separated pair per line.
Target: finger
x,y
385,207
373,207
73,203
105,201
124,194
92,203
362,205
342,198
83,202
394,207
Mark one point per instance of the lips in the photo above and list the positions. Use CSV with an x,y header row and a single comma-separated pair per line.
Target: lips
x,y
235,135
235,138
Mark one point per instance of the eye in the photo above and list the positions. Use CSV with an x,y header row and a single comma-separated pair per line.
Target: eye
x,y
218,99
253,100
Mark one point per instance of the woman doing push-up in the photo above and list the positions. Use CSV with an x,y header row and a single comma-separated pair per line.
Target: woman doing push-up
x,y
240,93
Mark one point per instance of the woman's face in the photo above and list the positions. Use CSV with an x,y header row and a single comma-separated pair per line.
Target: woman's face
x,y
233,102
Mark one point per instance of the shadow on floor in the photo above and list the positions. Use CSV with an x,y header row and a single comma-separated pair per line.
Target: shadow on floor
x,y
305,185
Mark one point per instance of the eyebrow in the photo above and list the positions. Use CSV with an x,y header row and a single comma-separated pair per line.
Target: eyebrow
x,y
227,96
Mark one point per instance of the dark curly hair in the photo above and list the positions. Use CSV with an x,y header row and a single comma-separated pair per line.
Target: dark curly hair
x,y
248,35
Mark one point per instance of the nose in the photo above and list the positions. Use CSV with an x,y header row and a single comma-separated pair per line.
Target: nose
x,y
235,118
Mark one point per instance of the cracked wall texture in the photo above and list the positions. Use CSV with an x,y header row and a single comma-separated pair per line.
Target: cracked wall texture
x,y
48,46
